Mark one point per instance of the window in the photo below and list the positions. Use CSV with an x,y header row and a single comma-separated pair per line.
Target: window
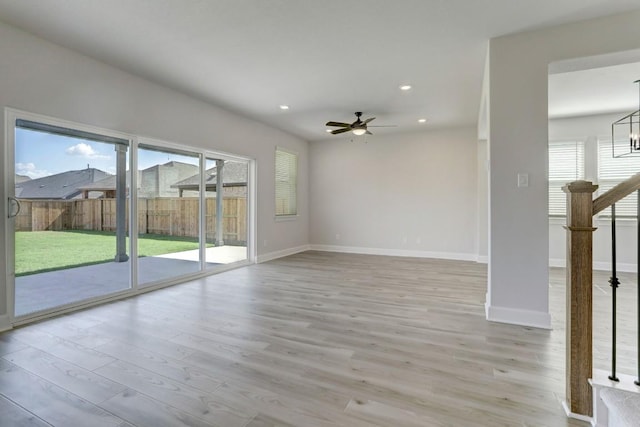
x,y
566,164
286,182
612,171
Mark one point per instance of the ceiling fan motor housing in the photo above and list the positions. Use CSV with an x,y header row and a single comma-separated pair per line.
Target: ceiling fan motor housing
x,y
358,127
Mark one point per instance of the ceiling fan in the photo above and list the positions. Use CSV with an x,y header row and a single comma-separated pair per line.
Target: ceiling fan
x,y
359,127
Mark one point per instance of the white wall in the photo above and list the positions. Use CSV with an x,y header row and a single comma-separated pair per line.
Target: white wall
x,y
420,186
483,202
519,239
40,77
589,129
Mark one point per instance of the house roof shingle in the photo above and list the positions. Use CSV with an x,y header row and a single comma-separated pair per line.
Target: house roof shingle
x,y
64,185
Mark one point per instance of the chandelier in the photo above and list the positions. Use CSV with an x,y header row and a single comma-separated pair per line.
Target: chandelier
x,y
625,133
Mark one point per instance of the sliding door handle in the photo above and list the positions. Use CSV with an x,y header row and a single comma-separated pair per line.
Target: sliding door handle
x,y
13,201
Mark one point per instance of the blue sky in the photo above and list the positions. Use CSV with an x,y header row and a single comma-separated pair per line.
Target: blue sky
x,y
39,154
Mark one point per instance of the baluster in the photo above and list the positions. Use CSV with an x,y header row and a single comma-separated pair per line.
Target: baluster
x,y
613,280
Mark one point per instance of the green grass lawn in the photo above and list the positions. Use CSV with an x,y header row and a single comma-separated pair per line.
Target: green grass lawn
x,y
40,251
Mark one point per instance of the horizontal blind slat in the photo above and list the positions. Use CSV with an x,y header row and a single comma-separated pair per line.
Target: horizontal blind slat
x,y
566,164
611,172
286,177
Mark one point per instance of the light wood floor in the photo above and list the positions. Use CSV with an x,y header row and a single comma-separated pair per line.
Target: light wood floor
x,y
315,339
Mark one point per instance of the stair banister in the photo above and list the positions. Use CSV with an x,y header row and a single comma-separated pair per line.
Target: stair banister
x,y
616,194
581,207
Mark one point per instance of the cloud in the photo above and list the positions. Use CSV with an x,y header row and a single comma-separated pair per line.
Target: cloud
x,y
30,170
84,150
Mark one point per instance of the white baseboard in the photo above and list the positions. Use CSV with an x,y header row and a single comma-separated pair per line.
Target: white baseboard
x,y
599,265
482,259
557,262
575,416
622,267
514,316
279,254
395,252
5,323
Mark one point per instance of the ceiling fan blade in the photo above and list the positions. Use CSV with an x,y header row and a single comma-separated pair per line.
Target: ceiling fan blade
x,y
340,124
369,120
368,133
337,131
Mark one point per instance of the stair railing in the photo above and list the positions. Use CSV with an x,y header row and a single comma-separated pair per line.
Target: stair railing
x,y
581,207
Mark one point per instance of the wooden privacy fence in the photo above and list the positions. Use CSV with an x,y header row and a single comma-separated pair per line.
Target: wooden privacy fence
x,y
166,215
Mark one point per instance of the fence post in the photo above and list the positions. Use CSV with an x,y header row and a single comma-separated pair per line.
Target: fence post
x,y
579,324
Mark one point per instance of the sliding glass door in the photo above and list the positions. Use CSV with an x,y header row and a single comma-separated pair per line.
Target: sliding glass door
x,y
83,228
168,214
226,184
69,204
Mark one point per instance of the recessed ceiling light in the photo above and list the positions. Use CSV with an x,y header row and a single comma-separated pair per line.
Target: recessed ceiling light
x,y
405,87
284,107
422,120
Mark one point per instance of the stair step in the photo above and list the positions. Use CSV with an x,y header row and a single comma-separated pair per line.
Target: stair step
x,y
624,407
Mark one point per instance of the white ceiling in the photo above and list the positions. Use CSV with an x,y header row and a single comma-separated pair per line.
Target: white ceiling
x,y
593,91
326,59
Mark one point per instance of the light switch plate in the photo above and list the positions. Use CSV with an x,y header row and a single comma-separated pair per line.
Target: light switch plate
x,y
523,180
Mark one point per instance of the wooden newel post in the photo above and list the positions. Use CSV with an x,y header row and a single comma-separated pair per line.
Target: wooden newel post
x,y
579,295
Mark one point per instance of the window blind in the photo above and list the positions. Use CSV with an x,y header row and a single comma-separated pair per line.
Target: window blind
x,y
286,182
566,164
612,171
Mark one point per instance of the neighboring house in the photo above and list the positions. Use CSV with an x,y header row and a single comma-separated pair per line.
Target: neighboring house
x,y
171,179
61,186
234,179
105,188
158,180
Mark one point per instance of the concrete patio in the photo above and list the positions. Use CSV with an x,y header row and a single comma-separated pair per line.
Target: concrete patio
x,y
42,291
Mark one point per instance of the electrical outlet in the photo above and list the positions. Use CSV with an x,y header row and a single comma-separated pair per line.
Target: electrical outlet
x,y
265,243
337,236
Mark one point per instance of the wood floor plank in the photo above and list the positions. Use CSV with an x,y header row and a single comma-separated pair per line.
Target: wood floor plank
x,y
9,344
139,339
81,382
293,410
179,370
207,406
78,334
15,416
80,355
287,383
49,402
262,420
382,414
142,411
